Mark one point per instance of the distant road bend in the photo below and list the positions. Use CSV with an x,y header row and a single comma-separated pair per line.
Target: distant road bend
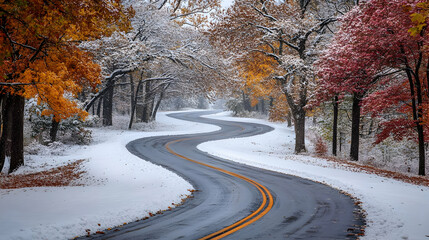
x,y
236,201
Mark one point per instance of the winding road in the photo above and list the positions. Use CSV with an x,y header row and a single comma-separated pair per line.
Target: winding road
x,y
235,201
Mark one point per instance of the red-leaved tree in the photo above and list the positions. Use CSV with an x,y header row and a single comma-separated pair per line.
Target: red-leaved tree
x,y
374,55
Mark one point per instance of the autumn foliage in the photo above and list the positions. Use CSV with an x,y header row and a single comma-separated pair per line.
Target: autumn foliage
x,y
40,58
40,55
379,54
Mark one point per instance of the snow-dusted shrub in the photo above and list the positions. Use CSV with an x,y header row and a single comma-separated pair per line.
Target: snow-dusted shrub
x,y
77,134
320,147
92,121
400,156
235,105
52,149
70,130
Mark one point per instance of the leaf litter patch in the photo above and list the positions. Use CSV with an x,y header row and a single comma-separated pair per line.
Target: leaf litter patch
x,y
66,175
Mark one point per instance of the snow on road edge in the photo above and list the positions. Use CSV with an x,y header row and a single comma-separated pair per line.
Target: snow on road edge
x,y
121,187
395,210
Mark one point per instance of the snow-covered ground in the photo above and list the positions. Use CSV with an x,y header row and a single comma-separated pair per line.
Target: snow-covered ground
x,y
395,210
120,187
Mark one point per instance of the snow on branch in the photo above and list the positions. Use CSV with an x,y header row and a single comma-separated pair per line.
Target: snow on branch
x,y
290,44
264,28
118,72
190,13
272,55
201,61
264,13
16,84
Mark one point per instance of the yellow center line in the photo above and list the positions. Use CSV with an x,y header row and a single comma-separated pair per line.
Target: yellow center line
x,y
245,221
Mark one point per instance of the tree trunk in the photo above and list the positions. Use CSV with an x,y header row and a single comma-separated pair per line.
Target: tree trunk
x,y
289,119
246,103
335,127
8,147
158,103
298,112
100,101
354,146
263,109
271,104
420,132
6,112
417,119
371,126
202,102
2,96
110,82
133,109
148,110
300,131
148,103
417,109
108,107
422,158
17,150
132,103
54,130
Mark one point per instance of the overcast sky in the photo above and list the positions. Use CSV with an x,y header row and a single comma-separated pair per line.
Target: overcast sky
x,y
226,3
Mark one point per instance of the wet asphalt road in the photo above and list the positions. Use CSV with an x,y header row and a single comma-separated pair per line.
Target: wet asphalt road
x,y
301,209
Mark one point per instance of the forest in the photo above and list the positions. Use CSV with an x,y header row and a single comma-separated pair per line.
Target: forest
x,y
352,76
359,69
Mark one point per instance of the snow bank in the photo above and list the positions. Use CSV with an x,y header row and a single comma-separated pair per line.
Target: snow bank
x,y
396,210
123,188
120,187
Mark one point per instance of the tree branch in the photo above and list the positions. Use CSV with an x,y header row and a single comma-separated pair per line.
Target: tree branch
x,y
15,84
38,50
272,55
190,13
264,13
162,4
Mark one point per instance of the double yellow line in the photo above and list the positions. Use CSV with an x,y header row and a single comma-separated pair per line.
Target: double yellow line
x,y
264,208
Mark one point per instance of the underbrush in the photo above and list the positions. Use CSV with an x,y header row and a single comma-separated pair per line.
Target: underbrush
x,y
390,155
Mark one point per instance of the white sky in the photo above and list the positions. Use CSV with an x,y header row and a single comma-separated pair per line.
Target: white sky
x,y
226,3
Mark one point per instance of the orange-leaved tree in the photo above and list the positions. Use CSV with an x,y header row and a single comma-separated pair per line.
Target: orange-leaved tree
x,y
191,12
40,58
258,69
289,32
419,16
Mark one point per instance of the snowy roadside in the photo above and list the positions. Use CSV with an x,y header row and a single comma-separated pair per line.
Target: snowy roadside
x,y
118,186
395,210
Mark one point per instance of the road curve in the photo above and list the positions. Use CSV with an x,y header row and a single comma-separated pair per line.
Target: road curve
x,y
235,201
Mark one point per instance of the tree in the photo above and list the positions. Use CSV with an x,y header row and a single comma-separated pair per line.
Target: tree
x,y
288,32
157,39
419,17
193,13
372,53
257,73
40,57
